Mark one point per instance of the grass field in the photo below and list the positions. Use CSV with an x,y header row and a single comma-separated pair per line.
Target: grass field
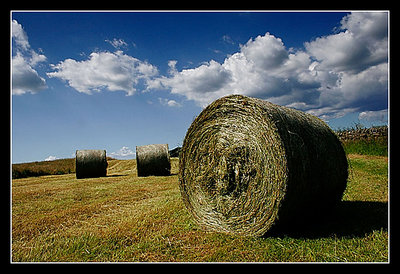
x,y
125,218
377,147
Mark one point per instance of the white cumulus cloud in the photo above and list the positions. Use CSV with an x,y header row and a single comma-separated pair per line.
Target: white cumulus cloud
x,y
51,158
263,68
363,43
346,71
124,152
169,103
19,35
113,71
332,76
25,78
372,116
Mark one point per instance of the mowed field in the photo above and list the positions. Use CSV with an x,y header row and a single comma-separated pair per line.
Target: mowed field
x,y
125,218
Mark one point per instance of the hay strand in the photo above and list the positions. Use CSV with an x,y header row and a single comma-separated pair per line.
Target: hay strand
x,y
90,163
247,165
153,160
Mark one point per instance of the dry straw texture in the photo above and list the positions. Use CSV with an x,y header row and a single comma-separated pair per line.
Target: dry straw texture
x,y
153,160
247,165
90,163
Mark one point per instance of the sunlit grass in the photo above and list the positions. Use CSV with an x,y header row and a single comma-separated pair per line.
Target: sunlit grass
x,y
123,217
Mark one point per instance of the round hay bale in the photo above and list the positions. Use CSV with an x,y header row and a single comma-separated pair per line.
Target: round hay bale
x,y
153,160
247,165
90,163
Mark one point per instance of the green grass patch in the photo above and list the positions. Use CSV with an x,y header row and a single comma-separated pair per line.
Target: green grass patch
x,y
378,146
123,218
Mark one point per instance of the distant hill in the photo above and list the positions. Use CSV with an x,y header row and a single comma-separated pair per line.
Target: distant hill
x,y
33,169
55,167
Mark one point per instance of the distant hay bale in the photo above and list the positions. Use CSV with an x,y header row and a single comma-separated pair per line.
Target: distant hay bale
x,y
247,165
90,163
153,160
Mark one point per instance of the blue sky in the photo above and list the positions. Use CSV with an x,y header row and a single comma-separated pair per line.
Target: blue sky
x,y
116,80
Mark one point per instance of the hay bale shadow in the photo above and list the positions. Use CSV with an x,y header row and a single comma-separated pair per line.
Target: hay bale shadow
x,y
349,219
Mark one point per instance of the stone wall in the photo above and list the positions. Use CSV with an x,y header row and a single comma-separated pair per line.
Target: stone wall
x,y
363,134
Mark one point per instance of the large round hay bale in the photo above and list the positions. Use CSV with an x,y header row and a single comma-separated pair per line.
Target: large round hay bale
x,y
247,165
153,160
90,163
